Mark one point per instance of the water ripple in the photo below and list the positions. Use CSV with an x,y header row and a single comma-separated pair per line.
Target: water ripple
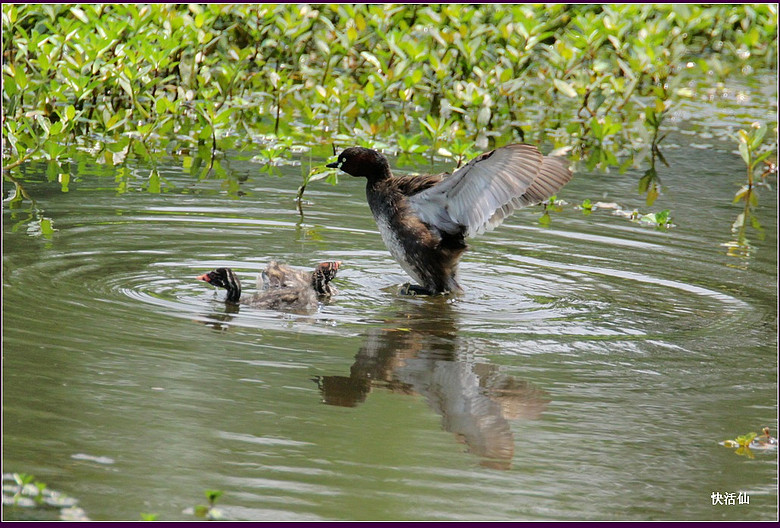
x,y
513,285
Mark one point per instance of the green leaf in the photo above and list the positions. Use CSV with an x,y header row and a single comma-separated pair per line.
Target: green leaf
x,y
12,13
81,15
662,217
652,195
47,230
64,179
316,174
20,77
22,479
744,440
685,92
762,157
323,46
70,112
650,117
506,75
161,105
369,57
213,495
43,62
644,182
565,88
205,133
427,126
154,183
223,116
43,122
741,193
758,136
114,122
56,129
9,86
744,151
125,85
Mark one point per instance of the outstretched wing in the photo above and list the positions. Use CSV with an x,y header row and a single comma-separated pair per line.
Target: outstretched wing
x,y
479,195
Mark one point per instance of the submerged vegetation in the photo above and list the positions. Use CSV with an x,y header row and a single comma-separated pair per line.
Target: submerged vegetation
x,y
441,81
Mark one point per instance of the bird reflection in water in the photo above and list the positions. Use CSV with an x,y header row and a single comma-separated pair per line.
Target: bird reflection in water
x,y
420,352
220,321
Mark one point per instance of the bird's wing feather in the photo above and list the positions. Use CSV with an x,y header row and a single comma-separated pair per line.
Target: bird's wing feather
x,y
478,196
413,184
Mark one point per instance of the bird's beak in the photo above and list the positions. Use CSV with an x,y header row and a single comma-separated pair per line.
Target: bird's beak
x,y
204,277
334,165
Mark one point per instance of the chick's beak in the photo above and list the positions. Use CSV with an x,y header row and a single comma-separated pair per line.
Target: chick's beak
x,y
204,277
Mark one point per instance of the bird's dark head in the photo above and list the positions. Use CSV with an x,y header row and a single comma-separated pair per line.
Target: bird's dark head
x,y
362,162
224,278
322,275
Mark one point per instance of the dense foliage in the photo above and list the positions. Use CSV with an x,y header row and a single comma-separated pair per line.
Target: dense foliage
x,y
441,80
410,76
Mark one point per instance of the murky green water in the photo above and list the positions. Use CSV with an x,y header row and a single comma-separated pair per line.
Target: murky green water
x,y
588,372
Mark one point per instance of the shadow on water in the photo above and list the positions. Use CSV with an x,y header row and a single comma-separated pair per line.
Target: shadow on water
x,y
419,352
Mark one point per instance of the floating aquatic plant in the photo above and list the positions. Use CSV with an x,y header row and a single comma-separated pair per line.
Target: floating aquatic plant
x,y
747,443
